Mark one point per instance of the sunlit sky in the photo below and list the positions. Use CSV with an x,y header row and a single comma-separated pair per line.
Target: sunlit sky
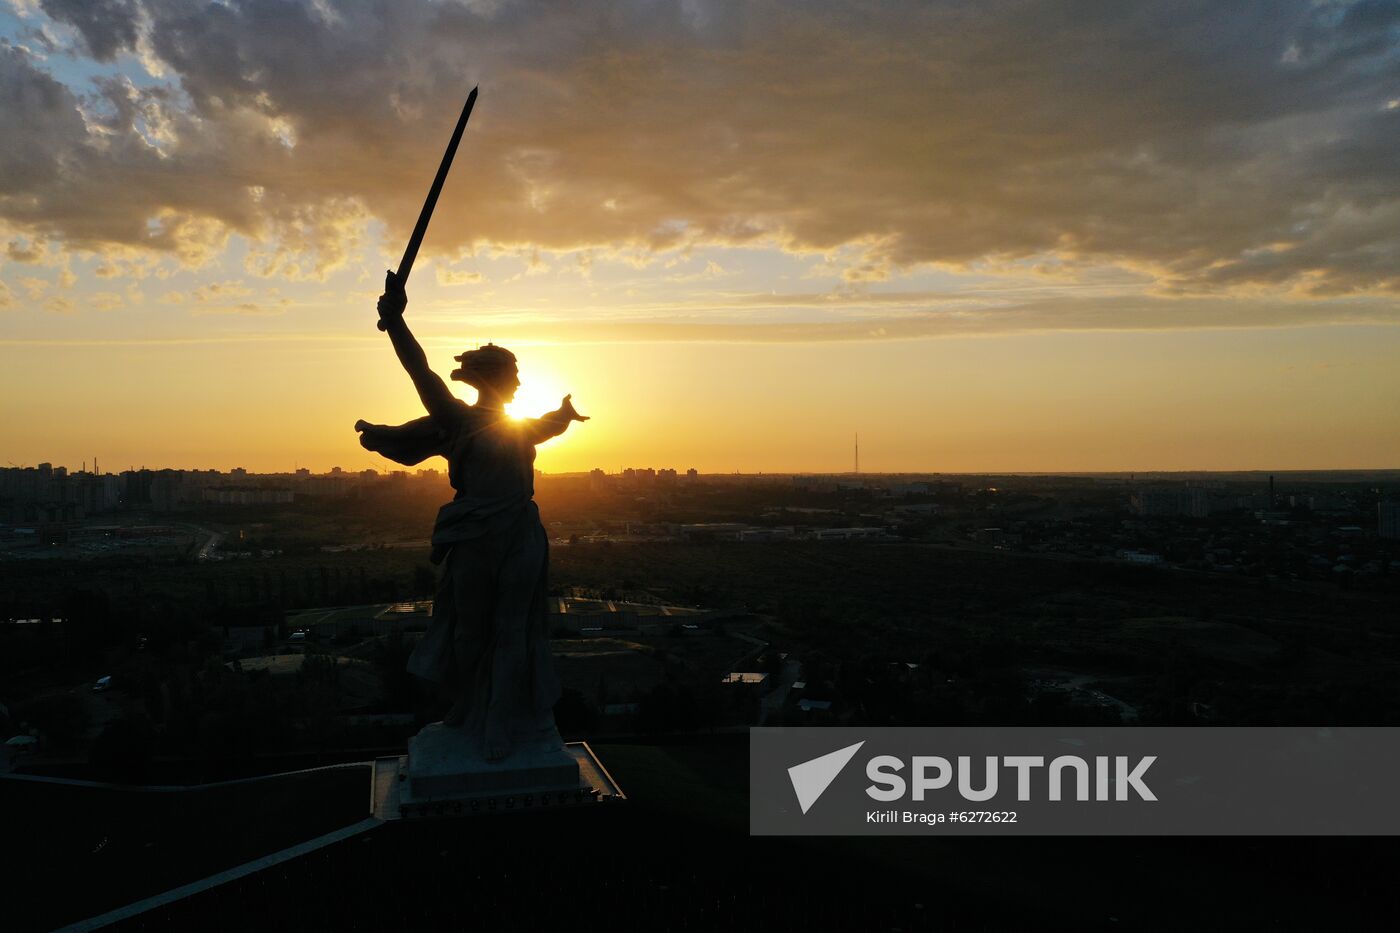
x,y
990,236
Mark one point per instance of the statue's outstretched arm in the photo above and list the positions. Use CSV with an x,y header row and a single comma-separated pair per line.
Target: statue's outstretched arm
x,y
555,422
436,397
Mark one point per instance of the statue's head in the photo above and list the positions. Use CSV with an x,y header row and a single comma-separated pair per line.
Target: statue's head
x,y
491,370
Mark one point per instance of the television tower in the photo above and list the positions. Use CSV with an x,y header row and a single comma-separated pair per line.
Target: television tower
x,y
857,451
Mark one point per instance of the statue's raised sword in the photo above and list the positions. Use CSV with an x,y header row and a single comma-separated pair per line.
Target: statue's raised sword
x,y
410,252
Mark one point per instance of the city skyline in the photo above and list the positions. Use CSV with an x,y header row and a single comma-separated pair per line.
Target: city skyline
x,y
651,470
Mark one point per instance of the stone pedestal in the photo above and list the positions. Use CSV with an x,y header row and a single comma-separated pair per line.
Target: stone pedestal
x,y
392,798
447,764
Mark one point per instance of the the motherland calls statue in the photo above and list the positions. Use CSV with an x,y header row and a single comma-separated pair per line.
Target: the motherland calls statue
x,y
488,642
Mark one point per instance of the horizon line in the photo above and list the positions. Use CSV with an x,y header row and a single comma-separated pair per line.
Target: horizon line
x,y
681,472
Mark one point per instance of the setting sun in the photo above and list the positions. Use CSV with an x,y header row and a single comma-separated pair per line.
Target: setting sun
x,y
535,396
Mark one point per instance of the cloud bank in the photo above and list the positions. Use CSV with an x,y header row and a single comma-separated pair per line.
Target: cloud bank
x,y
1217,148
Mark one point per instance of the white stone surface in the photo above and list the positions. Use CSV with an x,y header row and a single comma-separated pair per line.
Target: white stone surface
x,y
445,763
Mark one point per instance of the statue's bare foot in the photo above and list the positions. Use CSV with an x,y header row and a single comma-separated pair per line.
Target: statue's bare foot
x,y
497,744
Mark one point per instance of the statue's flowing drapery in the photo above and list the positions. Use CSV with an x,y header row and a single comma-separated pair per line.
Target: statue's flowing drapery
x,y
489,641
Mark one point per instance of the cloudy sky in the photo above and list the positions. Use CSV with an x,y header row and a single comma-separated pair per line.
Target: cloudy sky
x,y
986,235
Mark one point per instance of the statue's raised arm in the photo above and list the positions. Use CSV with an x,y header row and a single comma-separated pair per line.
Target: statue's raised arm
x,y
433,392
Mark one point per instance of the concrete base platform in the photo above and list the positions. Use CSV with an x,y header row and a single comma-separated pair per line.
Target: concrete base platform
x,y
393,799
448,764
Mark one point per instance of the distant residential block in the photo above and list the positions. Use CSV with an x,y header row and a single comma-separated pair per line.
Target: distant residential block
x,y
1169,501
1389,515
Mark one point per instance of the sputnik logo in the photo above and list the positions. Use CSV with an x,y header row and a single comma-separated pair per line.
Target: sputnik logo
x,y
811,778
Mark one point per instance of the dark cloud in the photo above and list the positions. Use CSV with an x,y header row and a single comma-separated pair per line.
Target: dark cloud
x,y
107,26
1211,145
39,124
